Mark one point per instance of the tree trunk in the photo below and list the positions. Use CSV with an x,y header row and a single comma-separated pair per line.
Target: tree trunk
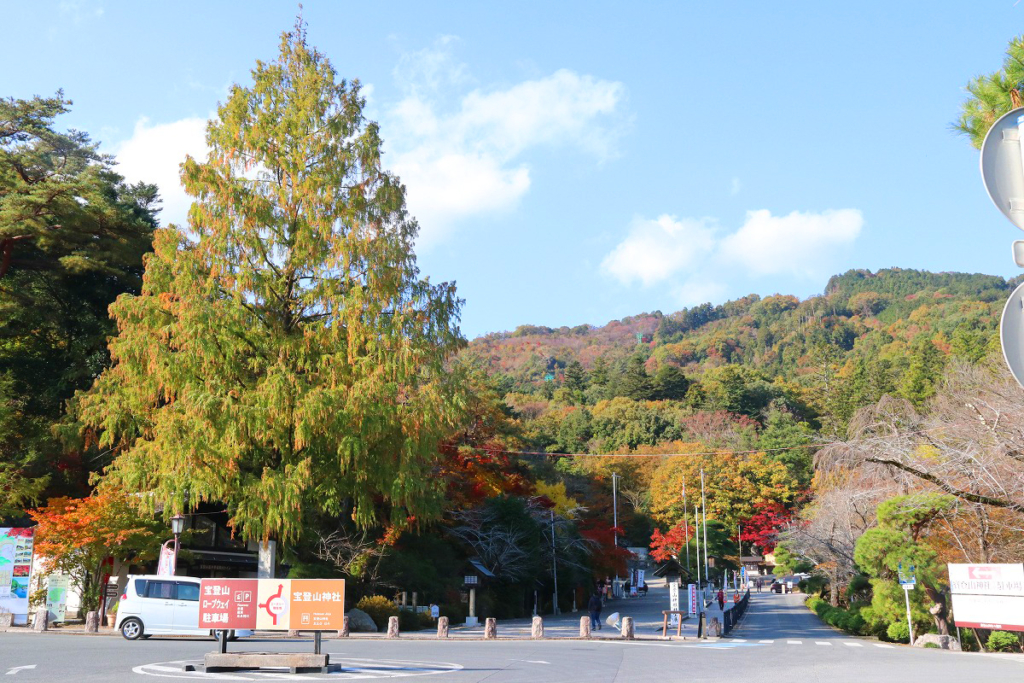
x,y
938,610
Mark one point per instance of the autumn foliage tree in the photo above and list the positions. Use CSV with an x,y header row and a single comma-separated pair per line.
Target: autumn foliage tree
x,y
284,356
763,527
76,536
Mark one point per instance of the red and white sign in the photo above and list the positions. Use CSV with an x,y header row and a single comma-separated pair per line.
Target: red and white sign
x,y
693,598
227,603
988,595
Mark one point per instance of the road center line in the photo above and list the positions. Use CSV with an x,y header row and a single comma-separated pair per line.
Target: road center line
x,y
821,642
794,642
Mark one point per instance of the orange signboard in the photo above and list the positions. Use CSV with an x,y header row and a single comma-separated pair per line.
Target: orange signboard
x,y
273,604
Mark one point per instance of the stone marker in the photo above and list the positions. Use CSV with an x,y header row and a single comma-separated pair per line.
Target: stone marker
x,y
92,622
360,622
584,627
491,628
944,642
537,631
343,633
627,628
6,620
442,627
42,619
392,627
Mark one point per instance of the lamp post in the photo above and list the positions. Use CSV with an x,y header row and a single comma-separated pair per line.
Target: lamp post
x,y
177,526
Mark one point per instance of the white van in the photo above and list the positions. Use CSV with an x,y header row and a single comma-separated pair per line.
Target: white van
x,y
162,606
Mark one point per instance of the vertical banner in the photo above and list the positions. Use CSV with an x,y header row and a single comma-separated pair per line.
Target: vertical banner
x,y
165,567
673,602
57,597
15,570
693,598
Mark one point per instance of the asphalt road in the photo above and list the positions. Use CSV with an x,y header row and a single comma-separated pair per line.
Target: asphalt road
x,y
779,639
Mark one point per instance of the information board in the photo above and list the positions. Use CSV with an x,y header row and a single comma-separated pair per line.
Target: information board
x,y
988,595
272,604
15,571
57,597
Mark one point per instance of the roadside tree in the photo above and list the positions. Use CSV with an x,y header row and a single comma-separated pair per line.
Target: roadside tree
x,y
284,356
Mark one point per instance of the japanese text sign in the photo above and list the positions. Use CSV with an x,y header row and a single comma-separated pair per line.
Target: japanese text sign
x,y
272,604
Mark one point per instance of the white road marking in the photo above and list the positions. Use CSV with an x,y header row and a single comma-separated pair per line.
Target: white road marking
x,y
881,645
821,642
738,640
794,642
854,644
16,669
766,641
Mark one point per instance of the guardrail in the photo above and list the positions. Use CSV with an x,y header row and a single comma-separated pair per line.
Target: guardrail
x,y
731,617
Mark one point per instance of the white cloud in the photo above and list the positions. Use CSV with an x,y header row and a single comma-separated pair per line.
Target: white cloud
x,y
795,244
154,154
694,260
466,160
654,251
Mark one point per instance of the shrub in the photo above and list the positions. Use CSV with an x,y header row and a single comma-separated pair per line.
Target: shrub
x,y
409,621
1003,641
455,611
379,608
898,632
934,646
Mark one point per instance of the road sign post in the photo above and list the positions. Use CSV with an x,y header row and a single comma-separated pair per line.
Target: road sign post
x,y
907,583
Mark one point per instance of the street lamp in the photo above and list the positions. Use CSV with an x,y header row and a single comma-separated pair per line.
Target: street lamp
x,y
177,526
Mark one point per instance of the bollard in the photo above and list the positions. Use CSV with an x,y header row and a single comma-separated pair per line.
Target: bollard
x,y
392,627
627,628
343,633
92,622
537,631
442,627
491,628
584,627
42,619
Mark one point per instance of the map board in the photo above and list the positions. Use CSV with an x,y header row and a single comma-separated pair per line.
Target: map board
x,y
988,595
15,571
272,604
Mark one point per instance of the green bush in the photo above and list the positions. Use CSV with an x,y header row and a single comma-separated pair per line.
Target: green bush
x,y
934,646
455,611
379,608
1003,641
898,632
409,620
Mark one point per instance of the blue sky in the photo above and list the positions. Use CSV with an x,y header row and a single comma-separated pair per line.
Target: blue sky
x,y
578,162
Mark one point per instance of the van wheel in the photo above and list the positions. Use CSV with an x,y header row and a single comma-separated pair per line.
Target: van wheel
x,y
131,629
231,635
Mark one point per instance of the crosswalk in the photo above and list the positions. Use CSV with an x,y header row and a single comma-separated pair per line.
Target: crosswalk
x,y
822,643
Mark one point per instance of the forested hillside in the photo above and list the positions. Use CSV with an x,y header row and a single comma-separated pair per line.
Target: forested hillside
x,y
817,360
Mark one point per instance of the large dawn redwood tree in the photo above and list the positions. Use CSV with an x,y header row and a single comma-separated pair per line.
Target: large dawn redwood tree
x,y
284,357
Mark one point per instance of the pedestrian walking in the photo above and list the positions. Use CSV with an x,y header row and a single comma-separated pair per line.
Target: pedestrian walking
x,y
721,599
594,607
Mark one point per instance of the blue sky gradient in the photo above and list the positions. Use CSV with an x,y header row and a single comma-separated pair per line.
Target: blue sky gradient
x,y
579,162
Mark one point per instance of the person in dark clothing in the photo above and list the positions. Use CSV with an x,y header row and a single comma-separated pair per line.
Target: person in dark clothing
x,y
721,599
594,607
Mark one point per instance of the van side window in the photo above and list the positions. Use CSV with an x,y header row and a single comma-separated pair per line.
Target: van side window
x,y
140,587
160,589
188,591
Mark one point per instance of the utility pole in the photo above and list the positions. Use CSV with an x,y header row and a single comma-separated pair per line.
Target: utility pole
x,y
686,528
554,565
739,544
704,506
696,536
615,523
